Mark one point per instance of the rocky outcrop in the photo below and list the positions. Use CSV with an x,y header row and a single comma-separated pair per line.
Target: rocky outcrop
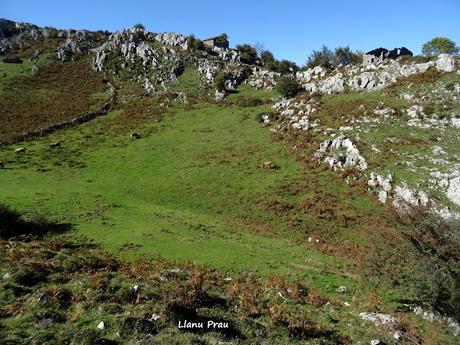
x,y
340,153
367,78
72,48
134,52
262,78
405,198
382,184
445,63
172,39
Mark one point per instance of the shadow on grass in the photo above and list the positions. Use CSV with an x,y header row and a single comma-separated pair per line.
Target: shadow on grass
x,y
12,224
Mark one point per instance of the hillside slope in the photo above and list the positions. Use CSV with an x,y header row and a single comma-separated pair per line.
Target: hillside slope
x,y
331,217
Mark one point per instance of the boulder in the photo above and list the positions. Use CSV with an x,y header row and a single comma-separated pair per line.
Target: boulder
x,y
445,63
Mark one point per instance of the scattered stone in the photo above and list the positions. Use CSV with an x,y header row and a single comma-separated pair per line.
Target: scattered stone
x,y
431,316
453,192
377,342
101,325
405,198
135,136
379,319
219,95
343,154
397,335
342,289
155,317
55,145
268,165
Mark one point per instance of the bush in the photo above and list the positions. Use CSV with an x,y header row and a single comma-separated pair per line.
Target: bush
x,y
286,67
194,44
439,45
288,86
219,81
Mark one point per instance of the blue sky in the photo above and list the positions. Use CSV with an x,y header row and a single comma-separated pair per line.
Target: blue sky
x,y
290,29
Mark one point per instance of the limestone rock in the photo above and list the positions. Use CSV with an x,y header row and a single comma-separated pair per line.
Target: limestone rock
x,y
342,154
379,319
445,63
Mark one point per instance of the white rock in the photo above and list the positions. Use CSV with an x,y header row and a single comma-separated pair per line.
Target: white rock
x,y
379,318
101,325
453,192
155,317
445,63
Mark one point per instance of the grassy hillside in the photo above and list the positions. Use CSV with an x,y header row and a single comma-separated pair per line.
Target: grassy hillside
x,y
193,188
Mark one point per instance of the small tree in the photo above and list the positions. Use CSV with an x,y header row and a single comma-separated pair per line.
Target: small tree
x,y
322,57
345,56
267,58
286,67
288,86
439,45
139,26
248,54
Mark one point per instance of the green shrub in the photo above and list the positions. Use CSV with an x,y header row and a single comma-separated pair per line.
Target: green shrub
x,y
286,67
288,86
219,81
267,59
194,44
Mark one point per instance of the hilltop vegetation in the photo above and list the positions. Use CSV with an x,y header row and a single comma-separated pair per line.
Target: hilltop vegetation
x,y
202,194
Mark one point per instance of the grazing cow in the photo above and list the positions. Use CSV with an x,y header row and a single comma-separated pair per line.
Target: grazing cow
x,y
55,145
135,136
20,151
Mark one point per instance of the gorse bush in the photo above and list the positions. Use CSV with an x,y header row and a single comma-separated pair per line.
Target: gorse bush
x,y
288,86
